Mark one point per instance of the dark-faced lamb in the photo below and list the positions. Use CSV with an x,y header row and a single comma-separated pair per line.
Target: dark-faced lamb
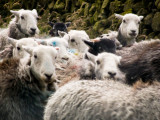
x,y
104,100
23,87
129,28
58,26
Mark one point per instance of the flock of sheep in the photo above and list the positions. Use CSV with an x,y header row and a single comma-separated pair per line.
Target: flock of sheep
x,y
111,77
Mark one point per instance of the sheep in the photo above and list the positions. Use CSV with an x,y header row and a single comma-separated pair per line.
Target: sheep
x,y
18,51
113,36
106,66
103,100
141,61
101,45
58,26
129,28
75,39
23,88
24,24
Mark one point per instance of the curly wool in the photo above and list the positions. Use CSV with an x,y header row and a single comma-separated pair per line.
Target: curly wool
x,y
22,97
103,100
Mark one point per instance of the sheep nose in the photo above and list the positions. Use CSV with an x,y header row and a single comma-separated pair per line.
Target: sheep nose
x,y
133,31
48,76
112,74
33,30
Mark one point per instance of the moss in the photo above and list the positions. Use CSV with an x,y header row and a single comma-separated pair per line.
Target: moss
x,y
148,19
115,6
92,9
59,5
51,5
16,6
105,4
128,5
156,22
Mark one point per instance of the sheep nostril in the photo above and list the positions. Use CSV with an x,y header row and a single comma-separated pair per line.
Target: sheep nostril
x,y
48,76
133,31
33,30
112,74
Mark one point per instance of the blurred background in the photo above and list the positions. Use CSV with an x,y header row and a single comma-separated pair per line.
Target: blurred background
x,y
93,16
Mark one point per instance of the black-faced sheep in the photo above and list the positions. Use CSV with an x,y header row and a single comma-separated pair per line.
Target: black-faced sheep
x,y
24,24
58,26
128,29
23,88
101,45
103,100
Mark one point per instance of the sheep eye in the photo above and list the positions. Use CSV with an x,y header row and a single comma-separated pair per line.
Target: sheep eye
x,y
22,17
18,48
72,40
124,21
98,62
35,56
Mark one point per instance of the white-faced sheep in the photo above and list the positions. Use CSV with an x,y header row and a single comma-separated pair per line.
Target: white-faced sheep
x,y
18,51
75,39
23,25
106,66
23,88
58,27
128,29
103,100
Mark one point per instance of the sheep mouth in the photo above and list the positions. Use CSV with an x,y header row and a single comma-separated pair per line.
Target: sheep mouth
x,y
32,33
133,34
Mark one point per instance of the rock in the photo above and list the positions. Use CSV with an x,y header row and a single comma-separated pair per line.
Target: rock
x,y
156,22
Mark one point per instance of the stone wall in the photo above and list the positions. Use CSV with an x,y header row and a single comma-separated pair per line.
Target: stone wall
x,y
94,16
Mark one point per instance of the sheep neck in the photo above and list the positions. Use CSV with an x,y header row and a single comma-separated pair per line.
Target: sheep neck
x,y
125,41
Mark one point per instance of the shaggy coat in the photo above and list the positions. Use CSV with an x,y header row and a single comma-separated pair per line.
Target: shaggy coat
x,y
103,100
141,61
22,97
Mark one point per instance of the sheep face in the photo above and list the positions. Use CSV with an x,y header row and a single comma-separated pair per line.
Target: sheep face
x,y
75,39
102,45
62,44
26,21
58,27
43,62
130,25
106,67
18,51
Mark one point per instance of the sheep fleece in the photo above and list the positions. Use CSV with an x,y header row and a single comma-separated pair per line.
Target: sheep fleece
x,y
103,100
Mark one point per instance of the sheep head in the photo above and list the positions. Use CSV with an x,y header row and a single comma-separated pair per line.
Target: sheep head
x,y
26,21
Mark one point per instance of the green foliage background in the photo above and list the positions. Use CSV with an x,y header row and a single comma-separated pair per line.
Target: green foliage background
x,y
94,16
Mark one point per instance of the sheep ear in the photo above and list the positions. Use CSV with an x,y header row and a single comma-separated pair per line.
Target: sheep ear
x,y
67,24
88,43
16,13
12,41
61,33
141,17
90,57
28,49
34,11
118,16
51,24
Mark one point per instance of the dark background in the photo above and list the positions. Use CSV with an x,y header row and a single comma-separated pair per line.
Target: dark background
x,y
94,16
